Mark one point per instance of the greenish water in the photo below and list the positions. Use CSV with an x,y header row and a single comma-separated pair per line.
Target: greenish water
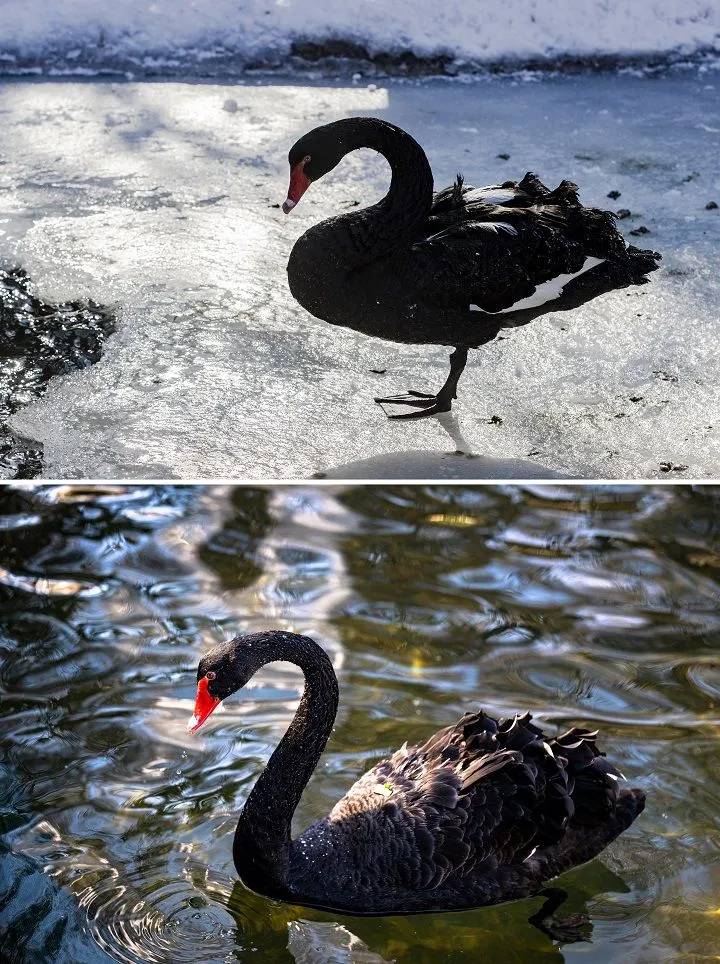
x,y
597,606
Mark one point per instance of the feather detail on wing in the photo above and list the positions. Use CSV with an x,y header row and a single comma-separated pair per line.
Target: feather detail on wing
x,y
492,247
476,795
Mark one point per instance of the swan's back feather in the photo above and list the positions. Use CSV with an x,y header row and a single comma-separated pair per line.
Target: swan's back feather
x,y
477,796
493,246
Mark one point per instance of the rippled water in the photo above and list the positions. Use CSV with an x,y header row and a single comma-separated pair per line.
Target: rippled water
x,y
596,606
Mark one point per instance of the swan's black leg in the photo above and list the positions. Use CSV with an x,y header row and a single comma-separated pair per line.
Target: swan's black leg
x,y
564,930
432,404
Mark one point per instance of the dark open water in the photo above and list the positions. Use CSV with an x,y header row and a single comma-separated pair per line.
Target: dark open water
x,y
597,606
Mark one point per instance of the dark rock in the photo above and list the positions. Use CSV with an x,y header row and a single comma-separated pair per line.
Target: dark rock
x,y
614,195
40,340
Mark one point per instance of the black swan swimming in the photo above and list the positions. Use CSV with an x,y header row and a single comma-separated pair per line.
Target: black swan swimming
x,y
484,811
452,268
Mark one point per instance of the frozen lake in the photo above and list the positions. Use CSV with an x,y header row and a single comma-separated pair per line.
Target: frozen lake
x,y
154,199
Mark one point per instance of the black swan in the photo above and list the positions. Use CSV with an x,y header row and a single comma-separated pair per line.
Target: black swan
x,y
484,811
451,268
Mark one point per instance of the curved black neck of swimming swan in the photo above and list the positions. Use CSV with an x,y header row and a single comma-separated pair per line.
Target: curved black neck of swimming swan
x,y
262,845
378,229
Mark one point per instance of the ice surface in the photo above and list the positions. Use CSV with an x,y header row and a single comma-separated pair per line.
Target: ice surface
x,y
83,34
152,197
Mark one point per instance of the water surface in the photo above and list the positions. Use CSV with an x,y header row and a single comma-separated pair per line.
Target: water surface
x,y
593,606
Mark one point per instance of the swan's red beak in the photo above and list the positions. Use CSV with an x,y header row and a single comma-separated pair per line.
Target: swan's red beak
x,y
204,705
299,183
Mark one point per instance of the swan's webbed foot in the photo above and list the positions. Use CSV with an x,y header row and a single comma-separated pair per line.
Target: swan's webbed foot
x,y
564,930
430,404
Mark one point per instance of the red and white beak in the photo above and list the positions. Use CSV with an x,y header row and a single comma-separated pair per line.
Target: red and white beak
x,y
299,183
204,705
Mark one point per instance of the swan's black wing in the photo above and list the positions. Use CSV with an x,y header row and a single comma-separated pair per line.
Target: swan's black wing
x,y
492,247
478,795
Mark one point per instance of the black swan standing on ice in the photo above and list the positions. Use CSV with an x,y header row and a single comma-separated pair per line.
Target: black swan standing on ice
x,y
484,811
451,268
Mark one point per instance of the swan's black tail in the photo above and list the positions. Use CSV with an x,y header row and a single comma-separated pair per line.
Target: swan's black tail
x,y
587,836
600,809
642,261
601,239
597,229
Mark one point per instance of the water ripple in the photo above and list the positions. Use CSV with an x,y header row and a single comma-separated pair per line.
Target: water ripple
x,y
587,605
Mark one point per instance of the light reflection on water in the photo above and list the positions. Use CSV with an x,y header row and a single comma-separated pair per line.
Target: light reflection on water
x,y
596,606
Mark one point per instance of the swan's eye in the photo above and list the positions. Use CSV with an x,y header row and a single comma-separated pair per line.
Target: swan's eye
x,y
306,159
210,675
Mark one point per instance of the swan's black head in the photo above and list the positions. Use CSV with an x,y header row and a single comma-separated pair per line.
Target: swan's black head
x,y
316,153
227,668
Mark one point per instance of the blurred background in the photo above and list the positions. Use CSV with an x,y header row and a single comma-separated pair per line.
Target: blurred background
x,y
588,605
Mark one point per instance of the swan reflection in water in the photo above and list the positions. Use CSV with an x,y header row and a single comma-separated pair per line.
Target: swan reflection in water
x,y
538,925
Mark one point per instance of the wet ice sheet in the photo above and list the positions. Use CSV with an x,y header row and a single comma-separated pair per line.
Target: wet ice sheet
x,y
156,199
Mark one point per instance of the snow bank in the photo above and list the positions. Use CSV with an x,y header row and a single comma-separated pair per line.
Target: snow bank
x,y
170,34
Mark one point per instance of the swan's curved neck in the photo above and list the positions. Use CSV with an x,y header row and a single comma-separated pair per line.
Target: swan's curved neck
x,y
378,229
262,845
